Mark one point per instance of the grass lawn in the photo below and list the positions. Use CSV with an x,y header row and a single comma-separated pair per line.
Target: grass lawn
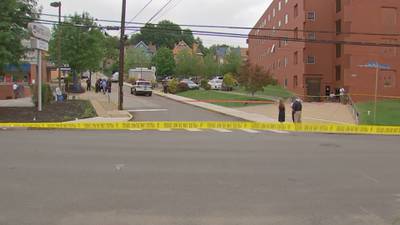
x,y
388,112
272,90
219,95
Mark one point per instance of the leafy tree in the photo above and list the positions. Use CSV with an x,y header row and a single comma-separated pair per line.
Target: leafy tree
x,y
203,49
233,62
15,16
187,37
135,39
111,45
82,45
164,62
187,64
254,78
229,81
136,58
211,67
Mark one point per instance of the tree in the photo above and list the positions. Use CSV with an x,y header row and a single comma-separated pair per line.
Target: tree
x,y
229,81
253,78
82,45
136,58
187,37
15,16
111,45
233,62
164,62
187,64
211,67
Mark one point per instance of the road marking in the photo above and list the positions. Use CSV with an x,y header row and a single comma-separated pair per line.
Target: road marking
x,y
193,130
165,130
366,176
251,131
222,130
148,110
279,131
134,129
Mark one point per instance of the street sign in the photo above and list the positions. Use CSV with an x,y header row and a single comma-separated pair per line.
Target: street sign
x,y
31,57
39,44
376,65
40,31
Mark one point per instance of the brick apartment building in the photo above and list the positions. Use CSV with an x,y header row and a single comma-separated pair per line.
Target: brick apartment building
x,y
308,68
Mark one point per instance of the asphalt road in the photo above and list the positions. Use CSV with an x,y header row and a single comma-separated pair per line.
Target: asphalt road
x,y
197,178
158,108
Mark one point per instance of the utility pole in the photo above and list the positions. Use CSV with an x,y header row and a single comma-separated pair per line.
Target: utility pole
x,y
58,5
121,58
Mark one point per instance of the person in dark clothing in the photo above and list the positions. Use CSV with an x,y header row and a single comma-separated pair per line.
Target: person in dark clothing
x,y
97,85
109,83
297,108
165,87
88,85
282,112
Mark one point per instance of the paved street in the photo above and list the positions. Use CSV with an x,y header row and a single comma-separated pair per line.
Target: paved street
x,y
205,178
157,108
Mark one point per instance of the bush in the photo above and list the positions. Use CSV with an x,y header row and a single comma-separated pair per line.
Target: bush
x,y
182,87
204,84
131,80
173,86
47,94
228,82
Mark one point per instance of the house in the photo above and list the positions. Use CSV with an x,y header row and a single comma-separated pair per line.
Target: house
x,y
182,46
223,51
150,49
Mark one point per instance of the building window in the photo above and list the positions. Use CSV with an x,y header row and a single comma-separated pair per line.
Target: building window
x,y
286,1
338,27
269,17
279,24
296,58
286,18
280,6
311,36
296,32
310,59
286,82
273,13
273,29
338,50
338,5
311,16
295,81
286,61
338,72
296,10
285,41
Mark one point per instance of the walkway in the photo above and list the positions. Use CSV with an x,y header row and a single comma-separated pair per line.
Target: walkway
x,y
20,102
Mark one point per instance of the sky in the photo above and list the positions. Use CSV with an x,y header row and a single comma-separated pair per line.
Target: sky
x,y
198,12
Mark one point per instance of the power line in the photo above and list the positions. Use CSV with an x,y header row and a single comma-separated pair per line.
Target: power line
x,y
244,36
148,3
250,28
169,9
159,11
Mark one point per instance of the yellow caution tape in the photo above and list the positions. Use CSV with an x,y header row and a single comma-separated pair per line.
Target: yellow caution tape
x,y
312,128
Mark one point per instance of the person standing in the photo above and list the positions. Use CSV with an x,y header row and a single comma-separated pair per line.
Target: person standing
x,y
297,110
282,112
88,85
104,86
15,90
342,95
109,83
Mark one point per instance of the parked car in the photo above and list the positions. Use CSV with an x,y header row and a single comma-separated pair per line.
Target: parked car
x,y
192,85
142,87
115,77
215,84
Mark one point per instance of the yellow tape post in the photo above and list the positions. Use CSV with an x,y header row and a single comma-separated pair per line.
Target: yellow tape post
x,y
177,125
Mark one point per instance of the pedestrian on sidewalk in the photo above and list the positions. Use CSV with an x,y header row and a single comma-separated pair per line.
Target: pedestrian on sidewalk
x,y
109,84
165,87
15,90
88,85
282,112
297,109
342,95
104,86
97,86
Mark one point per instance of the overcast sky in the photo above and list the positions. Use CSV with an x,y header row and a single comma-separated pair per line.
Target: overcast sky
x,y
202,12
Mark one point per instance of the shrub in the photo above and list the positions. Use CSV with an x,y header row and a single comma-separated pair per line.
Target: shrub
x,y
173,86
47,94
228,82
182,87
204,84
131,80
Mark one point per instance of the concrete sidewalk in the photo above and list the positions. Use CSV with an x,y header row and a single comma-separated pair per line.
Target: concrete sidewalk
x,y
20,102
313,112
105,107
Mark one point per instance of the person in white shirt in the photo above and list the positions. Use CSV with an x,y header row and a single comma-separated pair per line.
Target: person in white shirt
x,y
15,90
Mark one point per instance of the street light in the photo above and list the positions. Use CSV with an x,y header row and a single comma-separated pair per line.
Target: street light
x,y
58,5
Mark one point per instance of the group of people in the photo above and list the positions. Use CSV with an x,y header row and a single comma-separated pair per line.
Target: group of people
x,y
102,85
297,108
